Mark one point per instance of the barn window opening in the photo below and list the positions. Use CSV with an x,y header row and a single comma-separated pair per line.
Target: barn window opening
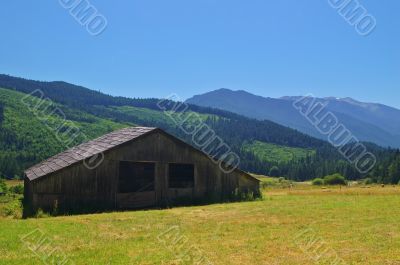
x,y
181,175
136,177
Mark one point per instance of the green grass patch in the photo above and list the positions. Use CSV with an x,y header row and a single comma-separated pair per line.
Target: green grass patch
x,y
276,153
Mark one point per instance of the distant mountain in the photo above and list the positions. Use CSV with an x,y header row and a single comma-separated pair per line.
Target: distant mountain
x,y
370,122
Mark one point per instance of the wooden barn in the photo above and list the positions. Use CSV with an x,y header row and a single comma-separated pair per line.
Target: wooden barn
x,y
140,167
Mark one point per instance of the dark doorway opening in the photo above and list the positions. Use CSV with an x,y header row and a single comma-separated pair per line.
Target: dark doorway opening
x,y
181,175
136,177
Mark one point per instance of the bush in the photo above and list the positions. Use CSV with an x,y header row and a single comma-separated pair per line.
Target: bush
x,y
368,181
18,189
3,186
245,195
335,179
318,182
286,184
269,183
275,182
13,208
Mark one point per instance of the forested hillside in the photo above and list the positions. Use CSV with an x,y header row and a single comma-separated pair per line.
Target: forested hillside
x,y
25,138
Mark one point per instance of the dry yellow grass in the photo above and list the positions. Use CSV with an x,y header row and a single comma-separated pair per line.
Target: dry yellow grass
x,y
12,183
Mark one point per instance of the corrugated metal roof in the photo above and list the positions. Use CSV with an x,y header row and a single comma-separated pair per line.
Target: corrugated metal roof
x,y
85,151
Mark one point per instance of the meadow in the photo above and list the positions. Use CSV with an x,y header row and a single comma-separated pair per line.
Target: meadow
x,y
301,224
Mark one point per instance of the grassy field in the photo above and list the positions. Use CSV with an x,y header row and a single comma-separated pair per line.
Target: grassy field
x,y
15,182
300,225
275,153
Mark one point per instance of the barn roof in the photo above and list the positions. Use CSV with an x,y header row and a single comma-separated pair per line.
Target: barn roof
x,y
85,151
97,146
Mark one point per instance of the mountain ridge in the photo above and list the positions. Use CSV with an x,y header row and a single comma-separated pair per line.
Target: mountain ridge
x,y
373,122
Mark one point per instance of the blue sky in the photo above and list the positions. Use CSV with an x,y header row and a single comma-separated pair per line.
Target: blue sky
x,y
152,48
